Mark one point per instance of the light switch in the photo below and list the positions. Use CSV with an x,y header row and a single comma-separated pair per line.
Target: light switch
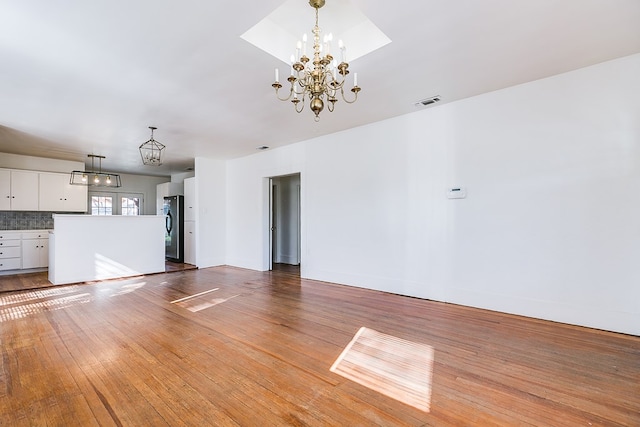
x,y
457,193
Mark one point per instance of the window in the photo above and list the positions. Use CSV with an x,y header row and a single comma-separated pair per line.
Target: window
x,y
116,203
101,205
130,205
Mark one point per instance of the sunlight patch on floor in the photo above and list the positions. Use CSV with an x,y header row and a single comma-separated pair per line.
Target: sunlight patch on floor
x,y
194,296
27,303
392,366
22,297
194,306
194,303
128,288
24,310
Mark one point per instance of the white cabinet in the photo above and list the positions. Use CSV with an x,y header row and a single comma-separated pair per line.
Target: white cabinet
x,y
19,190
190,242
35,249
189,221
57,195
5,190
166,189
190,199
10,253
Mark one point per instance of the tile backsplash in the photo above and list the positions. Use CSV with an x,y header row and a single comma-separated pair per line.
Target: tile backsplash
x,y
19,220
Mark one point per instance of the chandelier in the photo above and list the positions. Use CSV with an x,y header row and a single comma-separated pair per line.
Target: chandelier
x,y
95,178
321,79
151,151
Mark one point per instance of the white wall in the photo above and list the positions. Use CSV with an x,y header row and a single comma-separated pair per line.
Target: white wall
x,y
550,227
180,177
16,161
143,184
86,248
247,227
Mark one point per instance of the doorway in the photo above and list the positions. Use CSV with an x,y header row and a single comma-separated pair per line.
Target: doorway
x,y
284,223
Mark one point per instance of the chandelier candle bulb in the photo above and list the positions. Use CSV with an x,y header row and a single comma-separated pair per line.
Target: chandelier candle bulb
x,y
355,79
277,75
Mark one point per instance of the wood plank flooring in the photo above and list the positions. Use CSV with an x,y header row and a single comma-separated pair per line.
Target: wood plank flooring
x,y
40,280
231,347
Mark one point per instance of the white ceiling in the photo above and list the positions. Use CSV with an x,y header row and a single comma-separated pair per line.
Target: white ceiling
x,y
79,77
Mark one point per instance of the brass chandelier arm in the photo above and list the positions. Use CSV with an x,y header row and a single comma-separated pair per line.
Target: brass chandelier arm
x,y
277,87
355,90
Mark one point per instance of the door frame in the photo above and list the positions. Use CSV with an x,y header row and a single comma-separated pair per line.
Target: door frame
x,y
269,220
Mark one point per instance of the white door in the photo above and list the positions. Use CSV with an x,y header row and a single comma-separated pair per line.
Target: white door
x,y
76,197
24,191
51,187
5,190
30,253
189,242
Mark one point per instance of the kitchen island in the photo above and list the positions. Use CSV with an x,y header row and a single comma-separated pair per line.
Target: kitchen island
x,y
85,248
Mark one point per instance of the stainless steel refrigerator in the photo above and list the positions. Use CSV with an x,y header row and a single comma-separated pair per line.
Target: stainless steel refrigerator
x,y
174,235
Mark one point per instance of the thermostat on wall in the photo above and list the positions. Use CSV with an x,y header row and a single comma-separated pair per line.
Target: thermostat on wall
x,y
457,193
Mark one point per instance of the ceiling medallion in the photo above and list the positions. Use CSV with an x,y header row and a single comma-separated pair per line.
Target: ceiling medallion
x,y
321,79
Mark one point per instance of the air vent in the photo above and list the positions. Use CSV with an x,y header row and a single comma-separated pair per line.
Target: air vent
x,y
427,101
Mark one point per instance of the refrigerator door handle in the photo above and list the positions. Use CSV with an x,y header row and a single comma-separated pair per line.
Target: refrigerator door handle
x,y
169,223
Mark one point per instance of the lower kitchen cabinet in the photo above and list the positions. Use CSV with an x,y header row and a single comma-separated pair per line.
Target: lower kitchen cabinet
x,y
10,253
35,250
190,242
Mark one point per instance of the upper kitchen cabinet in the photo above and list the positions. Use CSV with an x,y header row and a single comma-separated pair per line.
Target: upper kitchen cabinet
x,y
5,190
18,190
57,195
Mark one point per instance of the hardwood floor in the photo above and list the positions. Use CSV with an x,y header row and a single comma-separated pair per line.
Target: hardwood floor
x,y
40,280
230,347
